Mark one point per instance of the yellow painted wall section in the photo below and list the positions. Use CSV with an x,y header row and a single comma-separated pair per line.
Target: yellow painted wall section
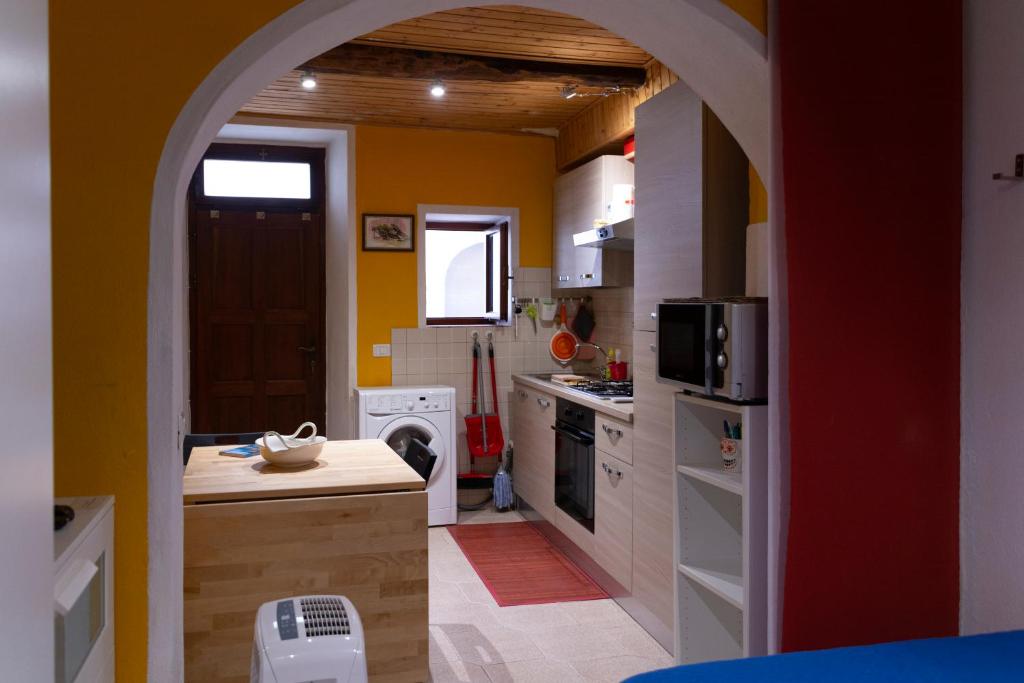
x,y
754,11
758,198
121,70
120,73
399,168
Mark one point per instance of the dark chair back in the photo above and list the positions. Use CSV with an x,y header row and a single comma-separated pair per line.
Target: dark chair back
x,y
421,458
193,440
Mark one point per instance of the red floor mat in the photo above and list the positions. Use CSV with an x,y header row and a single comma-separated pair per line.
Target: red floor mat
x,y
521,567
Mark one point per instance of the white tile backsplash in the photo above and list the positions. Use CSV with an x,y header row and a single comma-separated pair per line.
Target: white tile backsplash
x,y
442,355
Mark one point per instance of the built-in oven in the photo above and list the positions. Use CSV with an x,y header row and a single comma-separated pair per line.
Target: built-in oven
x,y
574,461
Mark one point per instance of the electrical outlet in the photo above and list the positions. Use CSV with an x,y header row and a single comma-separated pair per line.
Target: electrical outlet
x,y
381,350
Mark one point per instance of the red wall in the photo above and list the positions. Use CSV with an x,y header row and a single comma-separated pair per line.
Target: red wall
x,y
870,97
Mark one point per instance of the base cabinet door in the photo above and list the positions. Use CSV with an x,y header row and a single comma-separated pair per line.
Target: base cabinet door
x,y
533,468
613,518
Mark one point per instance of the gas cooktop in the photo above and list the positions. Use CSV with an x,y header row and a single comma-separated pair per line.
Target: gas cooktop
x,y
620,392
609,390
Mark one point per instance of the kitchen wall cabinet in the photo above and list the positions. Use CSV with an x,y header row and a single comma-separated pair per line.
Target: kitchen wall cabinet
x,y
581,196
692,204
613,517
533,416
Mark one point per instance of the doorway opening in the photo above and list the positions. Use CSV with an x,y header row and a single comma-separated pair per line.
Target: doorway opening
x,y
256,289
711,46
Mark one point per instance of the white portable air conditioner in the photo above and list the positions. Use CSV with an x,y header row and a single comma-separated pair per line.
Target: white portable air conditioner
x,y
309,639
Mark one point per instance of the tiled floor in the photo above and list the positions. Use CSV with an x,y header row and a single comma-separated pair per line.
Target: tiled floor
x,y
473,640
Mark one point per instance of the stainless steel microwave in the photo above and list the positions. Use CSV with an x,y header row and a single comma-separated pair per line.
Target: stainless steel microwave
x,y
717,347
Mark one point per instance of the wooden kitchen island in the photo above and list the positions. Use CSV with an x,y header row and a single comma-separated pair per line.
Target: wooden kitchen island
x,y
353,523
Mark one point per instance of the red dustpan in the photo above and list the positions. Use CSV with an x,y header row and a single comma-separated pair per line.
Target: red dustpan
x,y
483,431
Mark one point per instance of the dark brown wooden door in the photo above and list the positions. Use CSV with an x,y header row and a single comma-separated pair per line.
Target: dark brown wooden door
x,y
257,299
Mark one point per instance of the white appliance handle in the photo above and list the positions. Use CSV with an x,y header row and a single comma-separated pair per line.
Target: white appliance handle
x,y
72,584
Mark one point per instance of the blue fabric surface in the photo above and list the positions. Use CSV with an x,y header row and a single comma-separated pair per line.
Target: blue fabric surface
x,y
991,657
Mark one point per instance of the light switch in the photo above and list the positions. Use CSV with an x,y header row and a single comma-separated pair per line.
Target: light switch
x,y
381,350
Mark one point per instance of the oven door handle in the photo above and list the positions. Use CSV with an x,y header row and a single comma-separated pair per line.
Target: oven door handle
x,y
578,436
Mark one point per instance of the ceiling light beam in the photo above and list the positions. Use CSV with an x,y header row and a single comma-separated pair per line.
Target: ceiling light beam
x,y
353,59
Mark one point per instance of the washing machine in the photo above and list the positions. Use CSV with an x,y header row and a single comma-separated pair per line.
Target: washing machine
x,y
398,414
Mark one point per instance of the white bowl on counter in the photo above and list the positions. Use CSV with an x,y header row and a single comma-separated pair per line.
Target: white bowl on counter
x,y
292,451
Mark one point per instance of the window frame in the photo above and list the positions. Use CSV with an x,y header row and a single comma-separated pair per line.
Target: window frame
x,y
230,151
495,228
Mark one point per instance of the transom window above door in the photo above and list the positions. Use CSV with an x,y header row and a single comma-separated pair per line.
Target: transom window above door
x,y
268,176
238,178
466,272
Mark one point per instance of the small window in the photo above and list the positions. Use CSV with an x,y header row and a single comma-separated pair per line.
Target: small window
x,y
271,179
466,273
233,175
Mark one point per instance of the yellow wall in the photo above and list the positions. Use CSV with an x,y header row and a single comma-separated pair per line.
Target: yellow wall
x,y
398,168
121,70
758,198
120,73
754,11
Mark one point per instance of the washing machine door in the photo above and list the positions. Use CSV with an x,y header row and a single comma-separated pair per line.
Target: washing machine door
x,y
400,431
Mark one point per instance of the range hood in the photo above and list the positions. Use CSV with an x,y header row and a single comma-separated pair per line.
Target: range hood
x,y
614,236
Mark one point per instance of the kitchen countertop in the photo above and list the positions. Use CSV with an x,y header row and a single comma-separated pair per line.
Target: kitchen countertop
x,y
620,411
344,467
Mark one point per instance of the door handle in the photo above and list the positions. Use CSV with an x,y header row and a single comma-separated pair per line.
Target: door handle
x,y
310,352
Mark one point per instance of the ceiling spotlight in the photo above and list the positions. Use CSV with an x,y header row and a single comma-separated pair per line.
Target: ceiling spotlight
x,y
308,80
569,92
437,89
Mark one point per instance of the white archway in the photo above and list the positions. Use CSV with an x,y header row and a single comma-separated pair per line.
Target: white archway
x,y
719,55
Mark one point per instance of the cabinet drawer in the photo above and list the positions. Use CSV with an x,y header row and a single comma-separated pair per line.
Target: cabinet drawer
x,y
534,406
614,437
613,518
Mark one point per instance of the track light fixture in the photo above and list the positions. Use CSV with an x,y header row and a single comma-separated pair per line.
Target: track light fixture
x,y
572,90
308,80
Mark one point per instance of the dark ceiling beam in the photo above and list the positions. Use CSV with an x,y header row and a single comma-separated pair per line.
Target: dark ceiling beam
x,y
387,62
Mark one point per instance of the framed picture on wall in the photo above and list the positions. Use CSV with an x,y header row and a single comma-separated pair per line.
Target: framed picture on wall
x,y
388,232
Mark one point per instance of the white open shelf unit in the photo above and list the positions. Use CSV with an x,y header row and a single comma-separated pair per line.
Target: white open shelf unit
x,y
720,533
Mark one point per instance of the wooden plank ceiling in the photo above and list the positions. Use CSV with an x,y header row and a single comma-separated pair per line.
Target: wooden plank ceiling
x,y
497,31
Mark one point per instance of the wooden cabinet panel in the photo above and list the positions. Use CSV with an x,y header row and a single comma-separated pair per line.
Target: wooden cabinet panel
x,y
613,518
533,416
567,214
669,210
371,548
692,204
581,196
614,437
726,200
653,478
